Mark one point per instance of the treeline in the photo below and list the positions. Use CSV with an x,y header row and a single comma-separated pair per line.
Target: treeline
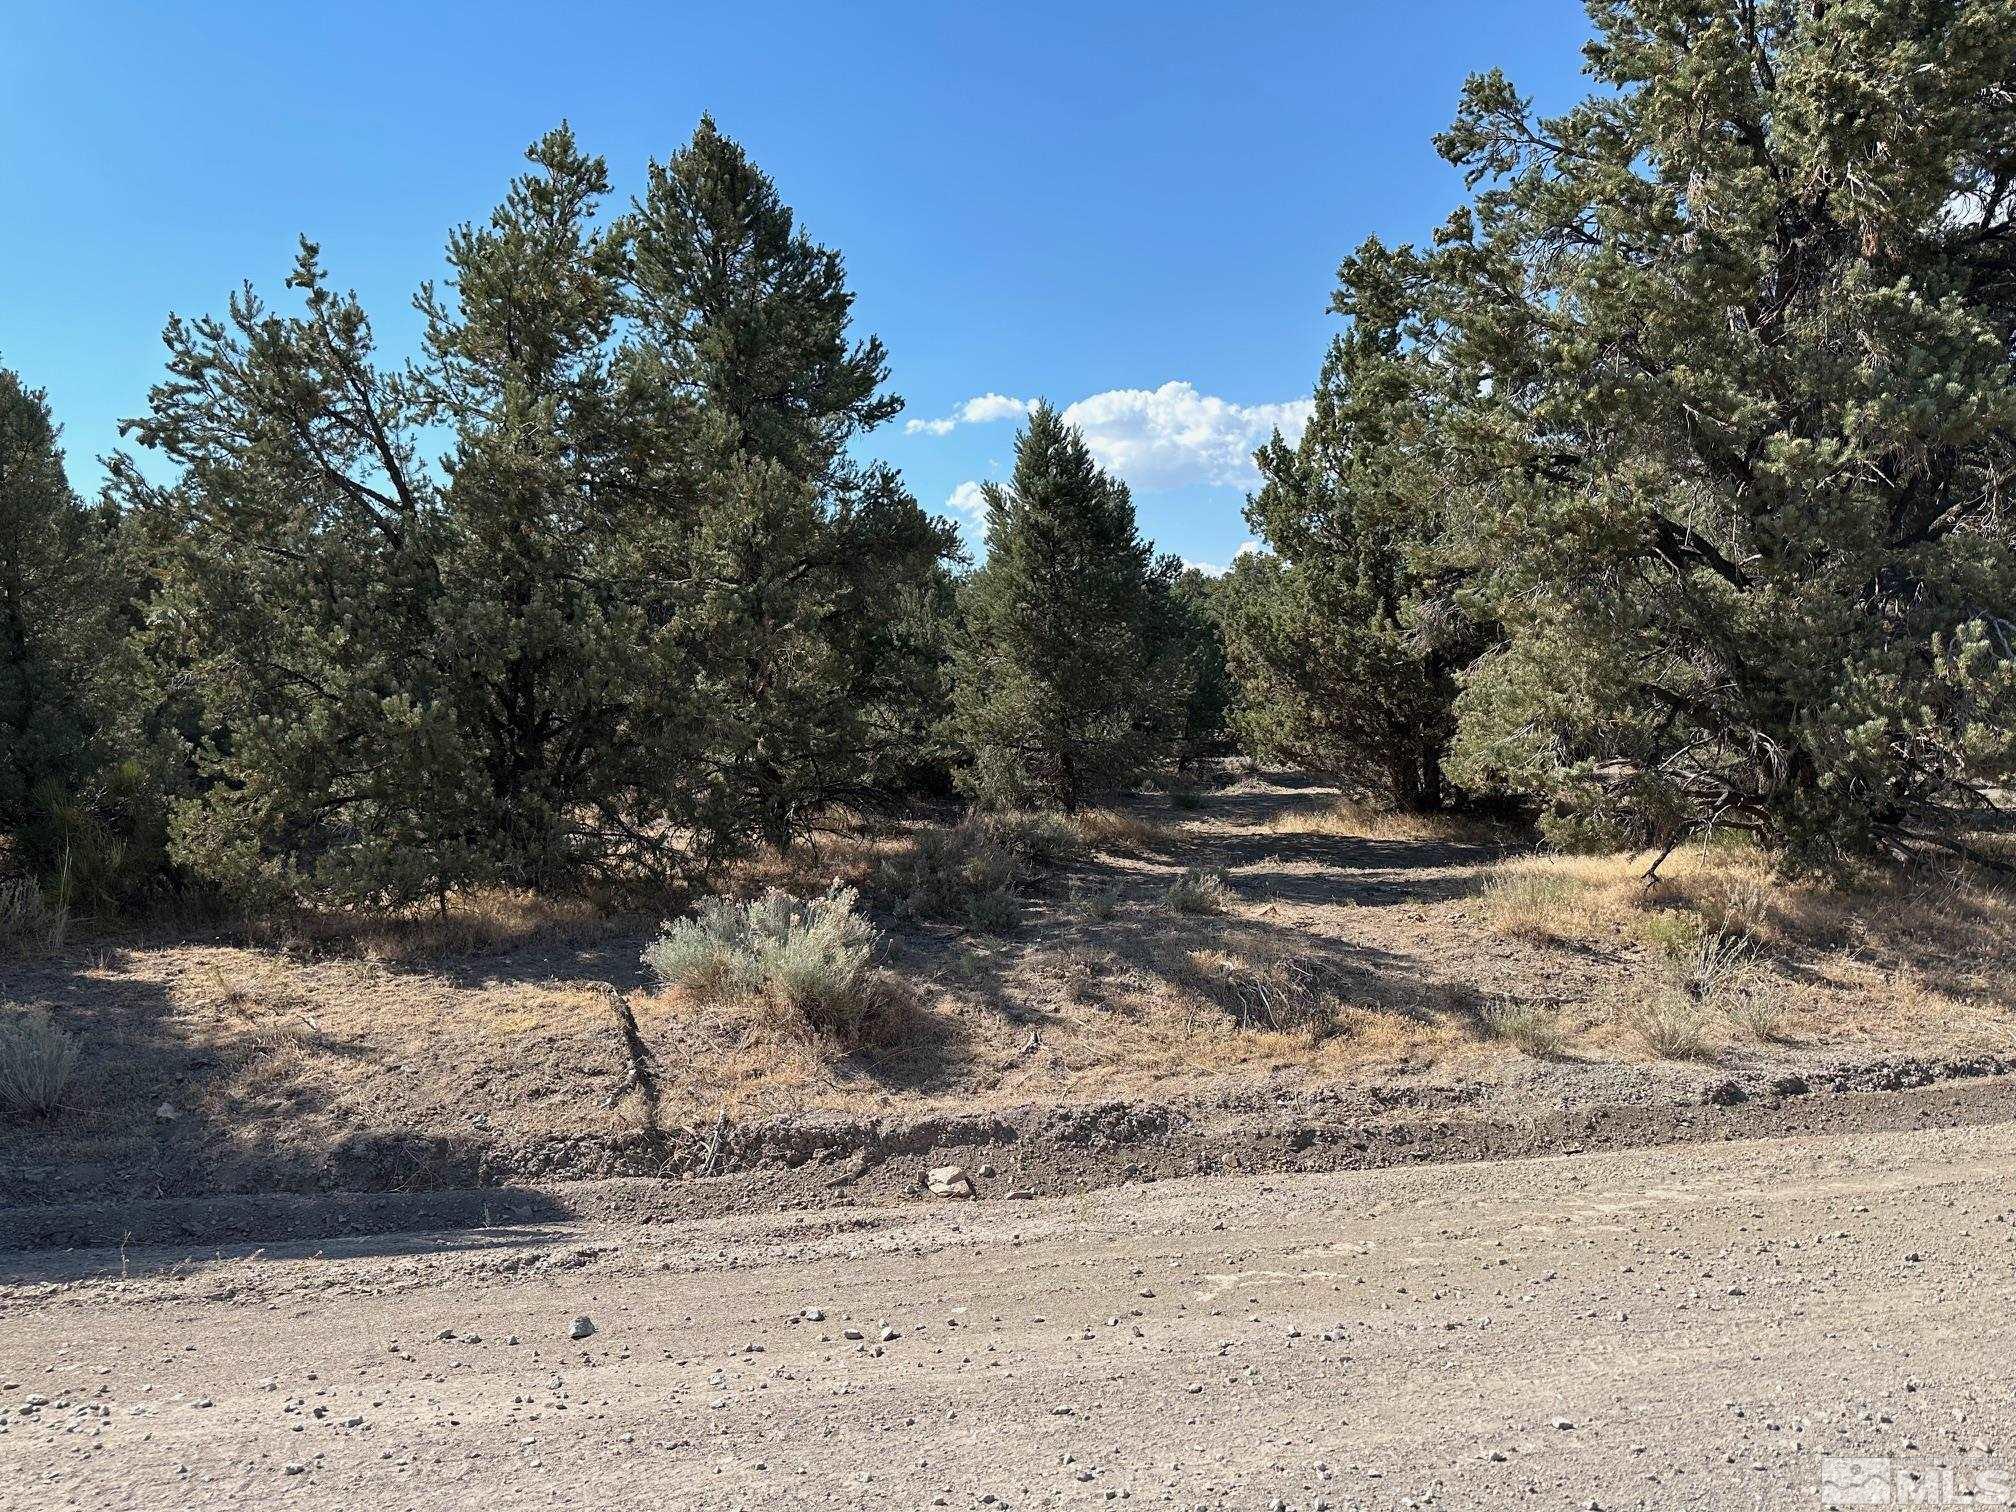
x,y
1666,489
1670,486
645,613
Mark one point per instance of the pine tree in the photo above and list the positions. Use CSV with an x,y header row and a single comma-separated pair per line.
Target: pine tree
x,y
417,679
802,558
1734,340
1347,637
1066,683
55,622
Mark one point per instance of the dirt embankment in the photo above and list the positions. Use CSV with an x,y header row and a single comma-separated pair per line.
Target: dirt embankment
x,y
830,1161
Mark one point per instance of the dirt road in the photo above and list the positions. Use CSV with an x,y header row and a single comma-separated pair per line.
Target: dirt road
x,y
1692,1326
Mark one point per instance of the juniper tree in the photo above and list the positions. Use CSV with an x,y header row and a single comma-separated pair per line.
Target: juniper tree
x,y
55,623
1066,682
802,558
1733,343
419,678
1345,638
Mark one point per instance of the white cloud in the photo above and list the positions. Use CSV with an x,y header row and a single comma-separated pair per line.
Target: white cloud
x,y
1173,435
980,410
1245,548
968,499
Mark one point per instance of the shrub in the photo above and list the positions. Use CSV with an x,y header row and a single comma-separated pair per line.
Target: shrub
x,y
1756,1005
36,1061
808,958
1200,891
1095,903
1671,1027
29,922
1288,994
973,873
1533,1028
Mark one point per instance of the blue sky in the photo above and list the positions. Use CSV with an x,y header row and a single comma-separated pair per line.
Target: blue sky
x,y
1135,209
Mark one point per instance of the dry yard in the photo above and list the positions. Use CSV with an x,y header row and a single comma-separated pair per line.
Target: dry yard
x,y
1379,983
316,1222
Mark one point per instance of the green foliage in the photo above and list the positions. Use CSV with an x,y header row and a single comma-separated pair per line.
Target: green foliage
x,y
1194,607
810,958
79,787
1346,638
630,623
1726,382
818,575
1068,680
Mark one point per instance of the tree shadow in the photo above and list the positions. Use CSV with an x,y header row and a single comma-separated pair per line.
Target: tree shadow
x,y
152,1141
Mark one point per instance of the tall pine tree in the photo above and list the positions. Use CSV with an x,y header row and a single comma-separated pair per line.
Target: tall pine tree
x,y
802,558
1067,682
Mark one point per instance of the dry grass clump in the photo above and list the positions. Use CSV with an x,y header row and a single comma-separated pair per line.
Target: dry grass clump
x,y
1201,891
808,961
1671,1026
1533,1027
29,922
1265,992
1351,819
37,1061
484,922
1113,830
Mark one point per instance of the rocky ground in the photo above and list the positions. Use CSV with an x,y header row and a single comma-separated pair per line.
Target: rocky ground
x,y
1693,1325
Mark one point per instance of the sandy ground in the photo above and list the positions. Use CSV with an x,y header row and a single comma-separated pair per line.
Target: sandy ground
x,y
1689,1326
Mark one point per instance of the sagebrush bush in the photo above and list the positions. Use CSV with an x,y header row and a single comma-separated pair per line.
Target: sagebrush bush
x,y
37,1061
973,873
1201,891
809,958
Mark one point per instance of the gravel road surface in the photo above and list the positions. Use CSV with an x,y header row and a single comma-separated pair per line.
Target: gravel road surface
x,y
1689,1326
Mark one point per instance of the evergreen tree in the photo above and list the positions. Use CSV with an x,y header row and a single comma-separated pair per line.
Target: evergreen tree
x,y
55,625
1066,682
411,679
1196,610
1728,350
1346,639
807,565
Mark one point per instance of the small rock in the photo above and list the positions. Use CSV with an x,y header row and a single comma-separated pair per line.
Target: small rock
x,y
815,1315
582,1327
890,1336
1563,1424
948,1181
851,1333
166,1113
295,1467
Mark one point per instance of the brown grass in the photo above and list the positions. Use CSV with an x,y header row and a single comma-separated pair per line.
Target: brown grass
x,y
1115,830
480,923
1352,819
